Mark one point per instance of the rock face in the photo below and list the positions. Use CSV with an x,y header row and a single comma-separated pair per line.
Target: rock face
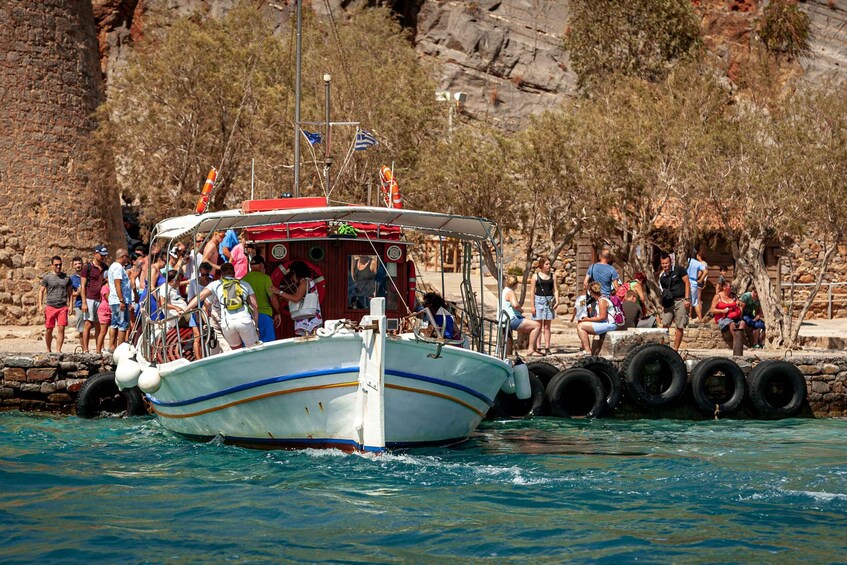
x,y
51,85
508,57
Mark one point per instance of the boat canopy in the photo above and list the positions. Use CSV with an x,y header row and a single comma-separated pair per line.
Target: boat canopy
x,y
461,227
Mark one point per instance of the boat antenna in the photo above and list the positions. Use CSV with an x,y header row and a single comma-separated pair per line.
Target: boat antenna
x,y
298,68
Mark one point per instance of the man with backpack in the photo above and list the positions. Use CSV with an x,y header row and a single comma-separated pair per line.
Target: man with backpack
x,y
604,273
238,308
675,288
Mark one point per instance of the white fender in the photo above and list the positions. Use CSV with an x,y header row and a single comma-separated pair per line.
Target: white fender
x,y
523,389
508,385
150,380
123,351
127,373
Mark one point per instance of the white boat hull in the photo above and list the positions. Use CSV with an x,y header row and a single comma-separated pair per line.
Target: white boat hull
x,y
302,392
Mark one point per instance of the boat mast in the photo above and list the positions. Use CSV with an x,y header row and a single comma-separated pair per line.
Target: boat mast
x,y
297,99
327,157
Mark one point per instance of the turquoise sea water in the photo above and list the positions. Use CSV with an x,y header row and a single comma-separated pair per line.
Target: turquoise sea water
x,y
546,490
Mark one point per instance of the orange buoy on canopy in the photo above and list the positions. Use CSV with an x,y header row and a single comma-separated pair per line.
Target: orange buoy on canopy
x,y
206,193
390,188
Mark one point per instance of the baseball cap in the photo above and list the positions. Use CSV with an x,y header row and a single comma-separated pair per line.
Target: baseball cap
x,y
101,249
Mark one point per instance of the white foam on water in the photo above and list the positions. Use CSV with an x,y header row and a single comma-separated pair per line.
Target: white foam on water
x,y
818,495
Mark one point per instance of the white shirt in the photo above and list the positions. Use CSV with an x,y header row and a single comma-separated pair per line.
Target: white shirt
x,y
117,272
243,313
174,299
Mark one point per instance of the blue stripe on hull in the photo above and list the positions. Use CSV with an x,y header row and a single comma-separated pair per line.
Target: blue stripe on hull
x,y
321,373
319,443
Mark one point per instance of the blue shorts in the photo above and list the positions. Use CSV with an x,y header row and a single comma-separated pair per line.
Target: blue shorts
x,y
603,327
120,318
544,308
516,322
266,328
695,294
753,323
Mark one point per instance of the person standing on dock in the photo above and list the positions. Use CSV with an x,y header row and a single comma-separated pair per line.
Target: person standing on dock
x,y
91,281
675,297
57,287
120,298
604,273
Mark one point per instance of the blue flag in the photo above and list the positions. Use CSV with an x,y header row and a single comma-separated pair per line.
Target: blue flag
x,y
313,138
364,140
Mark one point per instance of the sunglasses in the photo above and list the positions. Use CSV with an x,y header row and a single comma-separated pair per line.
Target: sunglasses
x,y
57,264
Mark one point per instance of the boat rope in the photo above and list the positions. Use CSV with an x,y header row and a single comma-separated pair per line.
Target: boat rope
x,y
345,163
384,268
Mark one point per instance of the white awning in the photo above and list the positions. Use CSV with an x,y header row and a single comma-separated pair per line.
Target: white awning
x,y
460,227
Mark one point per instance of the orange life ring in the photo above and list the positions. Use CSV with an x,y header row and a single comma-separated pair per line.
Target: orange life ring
x,y
206,193
390,188
281,278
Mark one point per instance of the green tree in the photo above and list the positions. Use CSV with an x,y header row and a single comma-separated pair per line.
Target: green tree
x,y
637,38
205,92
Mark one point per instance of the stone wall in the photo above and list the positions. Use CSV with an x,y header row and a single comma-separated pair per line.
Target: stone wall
x,y
47,383
50,382
51,85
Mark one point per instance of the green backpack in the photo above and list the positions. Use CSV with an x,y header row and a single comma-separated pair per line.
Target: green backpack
x,y
233,294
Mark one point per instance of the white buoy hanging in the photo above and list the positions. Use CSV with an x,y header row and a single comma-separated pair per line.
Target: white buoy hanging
x,y
150,380
127,373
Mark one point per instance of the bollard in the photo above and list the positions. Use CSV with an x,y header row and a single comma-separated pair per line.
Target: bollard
x,y
737,343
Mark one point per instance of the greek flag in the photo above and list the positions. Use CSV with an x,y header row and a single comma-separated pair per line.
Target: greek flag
x,y
313,138
364,140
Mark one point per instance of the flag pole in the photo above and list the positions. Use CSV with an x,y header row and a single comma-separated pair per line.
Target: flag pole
x,y
327,158
297,99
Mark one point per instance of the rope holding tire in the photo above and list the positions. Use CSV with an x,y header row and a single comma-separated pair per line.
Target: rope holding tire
x,y
576,392
655,376
776,389
609,378
100,396
510,406
718,386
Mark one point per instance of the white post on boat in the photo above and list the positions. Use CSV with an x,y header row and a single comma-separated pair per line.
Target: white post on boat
x,y
370,405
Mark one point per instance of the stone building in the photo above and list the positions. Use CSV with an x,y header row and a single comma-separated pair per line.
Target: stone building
x,y
50,83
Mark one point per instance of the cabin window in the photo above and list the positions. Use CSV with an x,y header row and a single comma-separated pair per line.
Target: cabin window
x,y
367,278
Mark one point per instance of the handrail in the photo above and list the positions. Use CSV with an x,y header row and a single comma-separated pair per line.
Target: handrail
x,y
154,340
830,299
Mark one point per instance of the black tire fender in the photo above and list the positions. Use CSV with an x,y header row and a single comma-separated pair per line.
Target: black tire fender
x,y
655,376
718,386
99,396
576,392
776,389
544,371
510,406
609,377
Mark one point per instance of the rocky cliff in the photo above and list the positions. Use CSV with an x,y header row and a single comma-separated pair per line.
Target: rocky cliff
x,y
507,56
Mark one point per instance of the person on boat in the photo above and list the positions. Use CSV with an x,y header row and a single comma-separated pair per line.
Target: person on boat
x,y
204,277
238,309
301,272
728,313
510,305
230,240
210,251
544,299
238,257
601,324
176,304
363,274
444,322
266,299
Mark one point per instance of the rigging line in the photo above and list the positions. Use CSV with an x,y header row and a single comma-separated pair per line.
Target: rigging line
x,y
315,162
345,163
341,54
384,268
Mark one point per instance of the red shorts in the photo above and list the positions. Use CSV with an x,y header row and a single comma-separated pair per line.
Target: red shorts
x,y
56,316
